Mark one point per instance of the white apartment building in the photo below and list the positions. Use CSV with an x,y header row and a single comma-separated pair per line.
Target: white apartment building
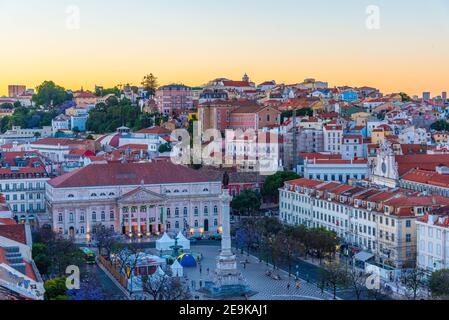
x,y
353,147
19,135
413,135
336,170
22,182
433,241
376,221
333,139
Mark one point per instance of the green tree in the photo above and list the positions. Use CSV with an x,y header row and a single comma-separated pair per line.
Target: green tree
x,y
323,242
6,105
55,253
405,97
40,257
299,113
439,284
440,125
5,124
165,148
99,92
334,276
270,190
55,289
48,94
414,281
76,131
248,201
150,84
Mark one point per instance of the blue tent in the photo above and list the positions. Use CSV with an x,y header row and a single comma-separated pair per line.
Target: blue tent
x,y
187,260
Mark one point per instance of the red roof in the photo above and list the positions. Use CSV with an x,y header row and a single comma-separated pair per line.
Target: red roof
x,y
427,177
14,232
134,146
154,130
306,183
230,83
421,161
57,141
112,174
418,201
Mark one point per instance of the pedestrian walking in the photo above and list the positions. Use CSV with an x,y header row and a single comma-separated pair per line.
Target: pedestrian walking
x,y
288,286
298,285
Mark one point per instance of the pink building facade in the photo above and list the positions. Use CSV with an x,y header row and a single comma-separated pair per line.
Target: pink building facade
x,y
174,98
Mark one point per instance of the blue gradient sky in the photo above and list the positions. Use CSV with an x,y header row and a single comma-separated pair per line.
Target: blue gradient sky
x,y
193,41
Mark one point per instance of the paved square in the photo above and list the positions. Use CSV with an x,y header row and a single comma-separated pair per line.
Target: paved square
x,y
254,273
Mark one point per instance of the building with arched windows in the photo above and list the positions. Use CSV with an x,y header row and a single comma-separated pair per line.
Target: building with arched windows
x,y
135,199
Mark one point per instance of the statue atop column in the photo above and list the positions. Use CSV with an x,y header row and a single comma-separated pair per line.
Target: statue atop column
x,y
228,280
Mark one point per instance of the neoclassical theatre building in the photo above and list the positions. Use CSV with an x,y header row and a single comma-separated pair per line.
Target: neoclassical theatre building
x,y
135,199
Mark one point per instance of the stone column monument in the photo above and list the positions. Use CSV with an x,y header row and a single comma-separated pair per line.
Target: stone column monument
x,y
228,280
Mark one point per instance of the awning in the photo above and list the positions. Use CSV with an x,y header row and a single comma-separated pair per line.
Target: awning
x,y
363,256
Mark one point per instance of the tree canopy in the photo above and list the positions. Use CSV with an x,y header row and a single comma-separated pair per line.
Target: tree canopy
x,y
107,117
299,113
272,184
150,84
248,201
48,94
28,118
439,284
440,125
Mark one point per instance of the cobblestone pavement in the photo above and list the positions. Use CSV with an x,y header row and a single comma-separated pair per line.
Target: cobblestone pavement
x,y
254,273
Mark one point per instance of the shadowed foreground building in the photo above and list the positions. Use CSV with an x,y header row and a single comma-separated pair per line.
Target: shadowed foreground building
x,y
135,199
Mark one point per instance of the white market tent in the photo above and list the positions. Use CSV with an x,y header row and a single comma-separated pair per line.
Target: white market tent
x,y
177,269
164,243
183,241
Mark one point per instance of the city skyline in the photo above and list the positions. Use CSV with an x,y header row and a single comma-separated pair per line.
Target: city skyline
x,y
198,41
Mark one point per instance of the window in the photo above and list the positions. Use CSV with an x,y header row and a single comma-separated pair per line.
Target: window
x,y
71,217
177,212
196,211
408,238
60,217
111,215
168,212
186,211
206,210
94,216
215,210
408,223
103,216
93,195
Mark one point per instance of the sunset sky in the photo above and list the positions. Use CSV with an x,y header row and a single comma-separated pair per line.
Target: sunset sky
x,y
194,41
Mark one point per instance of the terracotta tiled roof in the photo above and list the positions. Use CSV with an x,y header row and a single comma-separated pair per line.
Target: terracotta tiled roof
x,y
417,201
56,141
129,174
427,177
154,130
421,161
14,232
